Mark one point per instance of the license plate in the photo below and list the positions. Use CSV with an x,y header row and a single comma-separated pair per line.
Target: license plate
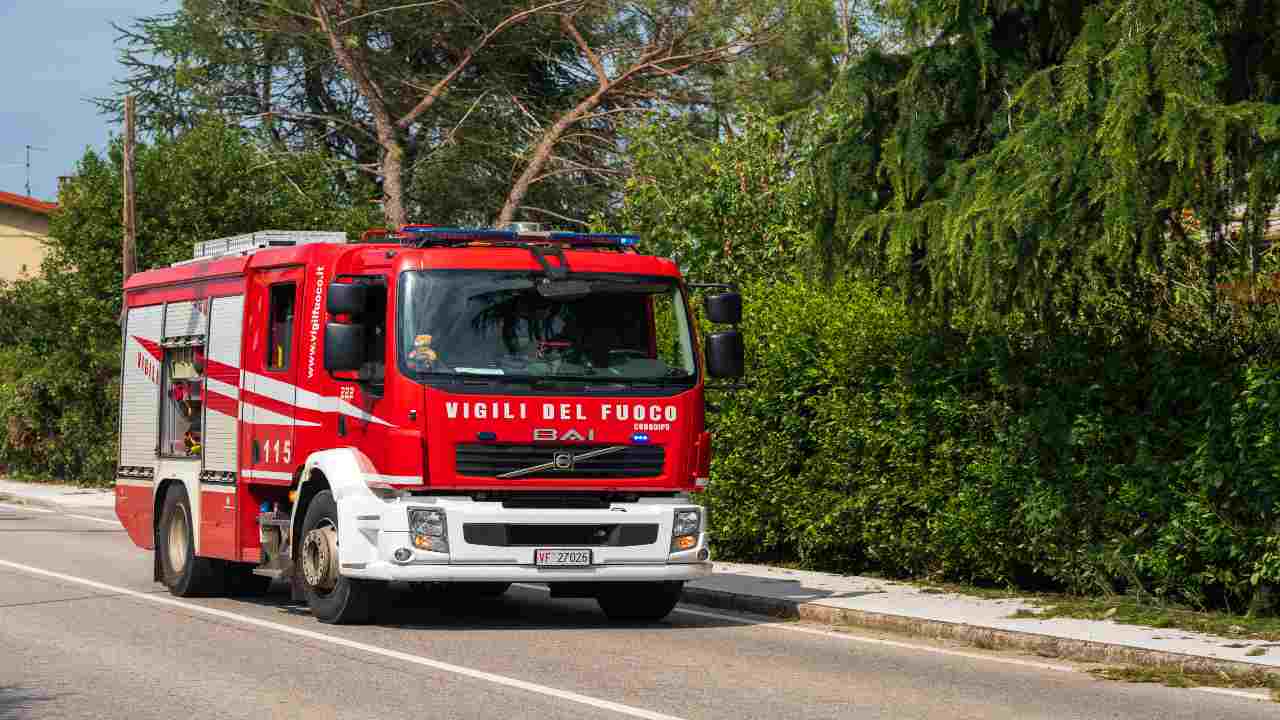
x,y
562,558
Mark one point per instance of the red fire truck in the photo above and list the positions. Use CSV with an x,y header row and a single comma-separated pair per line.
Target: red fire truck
x,y
432,405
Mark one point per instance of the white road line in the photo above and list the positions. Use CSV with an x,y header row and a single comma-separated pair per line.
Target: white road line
x,y
352,644
847,637
70,515
574,697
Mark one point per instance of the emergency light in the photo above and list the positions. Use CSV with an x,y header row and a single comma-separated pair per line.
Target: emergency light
x,y
574,238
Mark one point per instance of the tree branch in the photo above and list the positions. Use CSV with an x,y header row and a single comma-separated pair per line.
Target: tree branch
x,y
544,211
438,89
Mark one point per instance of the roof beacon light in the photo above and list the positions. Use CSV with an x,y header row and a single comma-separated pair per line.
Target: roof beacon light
x,y
576,238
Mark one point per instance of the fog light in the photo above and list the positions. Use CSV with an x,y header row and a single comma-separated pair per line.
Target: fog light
x,y
403,555
704,554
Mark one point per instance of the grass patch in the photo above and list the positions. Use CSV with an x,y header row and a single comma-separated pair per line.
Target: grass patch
x,y
1173,677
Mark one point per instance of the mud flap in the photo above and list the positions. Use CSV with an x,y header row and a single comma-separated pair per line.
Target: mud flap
x,y
157,575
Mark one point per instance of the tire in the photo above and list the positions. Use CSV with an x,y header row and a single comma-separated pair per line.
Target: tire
x,y
242,582
185,574
348,601
639,601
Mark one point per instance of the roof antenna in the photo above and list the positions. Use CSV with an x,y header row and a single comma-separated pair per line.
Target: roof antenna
x,y
29,149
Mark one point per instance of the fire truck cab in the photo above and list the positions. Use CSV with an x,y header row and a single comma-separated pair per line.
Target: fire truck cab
x,y
434,405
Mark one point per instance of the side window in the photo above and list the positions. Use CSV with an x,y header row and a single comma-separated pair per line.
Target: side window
x,y
375,319
671,328
280,329
181,409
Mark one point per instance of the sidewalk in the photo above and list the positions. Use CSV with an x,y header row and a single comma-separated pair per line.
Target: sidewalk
x,y
66,497
902,607
884,605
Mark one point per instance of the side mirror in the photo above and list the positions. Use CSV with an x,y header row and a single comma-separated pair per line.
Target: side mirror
x,y
343,346
347,298
724,308
725,354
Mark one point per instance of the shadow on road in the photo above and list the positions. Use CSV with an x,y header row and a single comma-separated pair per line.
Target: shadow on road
x,y
421,608
17,703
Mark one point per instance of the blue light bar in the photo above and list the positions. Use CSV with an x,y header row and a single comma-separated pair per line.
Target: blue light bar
x,y
577,238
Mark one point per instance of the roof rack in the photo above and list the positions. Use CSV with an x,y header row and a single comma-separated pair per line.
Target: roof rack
x,y
250,243
431,236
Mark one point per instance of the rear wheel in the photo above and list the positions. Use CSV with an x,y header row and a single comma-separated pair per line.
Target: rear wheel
x,y
638,601
332,598
185,574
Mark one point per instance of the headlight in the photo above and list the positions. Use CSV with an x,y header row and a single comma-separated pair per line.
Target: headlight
x,y
685,529
428,529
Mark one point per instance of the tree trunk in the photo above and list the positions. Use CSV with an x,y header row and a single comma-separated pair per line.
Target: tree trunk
x,y
392,181
542,154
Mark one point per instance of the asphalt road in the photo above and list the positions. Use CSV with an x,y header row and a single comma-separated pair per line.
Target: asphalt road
x,y
85,633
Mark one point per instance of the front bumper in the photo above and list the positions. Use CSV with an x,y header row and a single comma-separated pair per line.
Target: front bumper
x,y
372,530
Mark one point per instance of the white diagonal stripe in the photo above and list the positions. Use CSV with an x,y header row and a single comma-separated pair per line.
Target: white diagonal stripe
x,y
257,415
222,388
314,636
306,399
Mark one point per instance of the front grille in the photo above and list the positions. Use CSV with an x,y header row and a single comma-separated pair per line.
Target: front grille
x,y
589,535
492,460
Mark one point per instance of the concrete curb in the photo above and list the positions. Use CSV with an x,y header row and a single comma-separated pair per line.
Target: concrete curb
x,y
1046,646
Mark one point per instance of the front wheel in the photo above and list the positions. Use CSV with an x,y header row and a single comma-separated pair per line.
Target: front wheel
x,y
639,601
332,598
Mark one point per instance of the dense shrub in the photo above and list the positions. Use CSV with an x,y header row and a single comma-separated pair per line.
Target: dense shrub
x,y
870,441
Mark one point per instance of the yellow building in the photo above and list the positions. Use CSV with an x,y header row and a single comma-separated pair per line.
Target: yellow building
x,y
24,224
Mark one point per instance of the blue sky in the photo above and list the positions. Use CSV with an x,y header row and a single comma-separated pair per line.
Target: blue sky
x,y
54,55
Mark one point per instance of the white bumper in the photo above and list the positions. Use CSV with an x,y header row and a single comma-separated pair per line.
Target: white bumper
x,y
371,530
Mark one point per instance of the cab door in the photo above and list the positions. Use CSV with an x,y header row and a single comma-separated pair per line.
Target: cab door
x,y
270,404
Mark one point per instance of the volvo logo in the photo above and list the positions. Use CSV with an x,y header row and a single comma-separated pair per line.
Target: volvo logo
x,y
564,460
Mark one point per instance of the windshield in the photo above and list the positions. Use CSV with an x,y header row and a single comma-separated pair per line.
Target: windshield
x,y
615,328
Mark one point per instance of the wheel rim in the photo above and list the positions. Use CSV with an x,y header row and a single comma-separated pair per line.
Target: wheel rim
x,y
178,540
320,558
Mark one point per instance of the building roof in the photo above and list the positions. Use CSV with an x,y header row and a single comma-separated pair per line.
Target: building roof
x,y
27,203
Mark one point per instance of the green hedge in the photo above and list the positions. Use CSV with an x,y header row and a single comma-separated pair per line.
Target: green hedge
x,y
867,442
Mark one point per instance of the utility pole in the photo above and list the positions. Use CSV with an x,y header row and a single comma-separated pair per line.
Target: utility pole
x,y
129,264
29,149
